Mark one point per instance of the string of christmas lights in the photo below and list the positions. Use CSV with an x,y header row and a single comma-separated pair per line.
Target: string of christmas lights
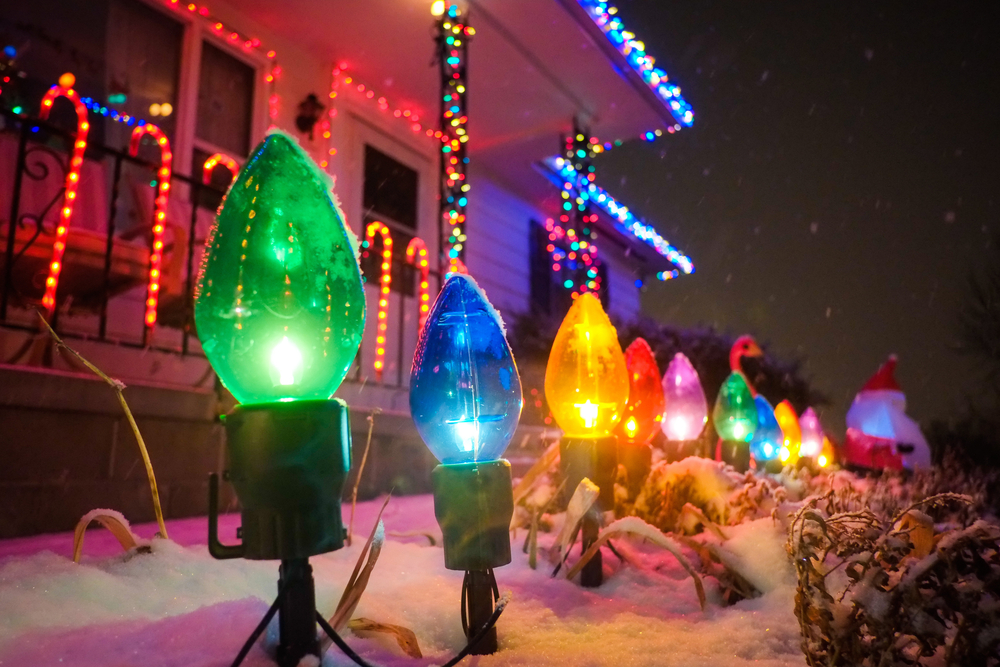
x,y
385,280
453,37
65,89
562,173
213,161
644,64
159,215
416,254
579,259
236,38
341,81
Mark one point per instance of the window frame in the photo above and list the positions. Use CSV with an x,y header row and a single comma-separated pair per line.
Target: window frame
x,y
196,33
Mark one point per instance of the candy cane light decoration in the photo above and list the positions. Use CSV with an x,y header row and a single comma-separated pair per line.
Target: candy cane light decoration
x,y
213,161
159,215
64,89
385,280
416,254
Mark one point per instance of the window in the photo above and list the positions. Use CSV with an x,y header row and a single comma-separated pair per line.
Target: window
x,y
225,102
123,53
128,55
390,189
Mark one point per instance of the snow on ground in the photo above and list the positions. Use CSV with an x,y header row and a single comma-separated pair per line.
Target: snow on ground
x,y
179,607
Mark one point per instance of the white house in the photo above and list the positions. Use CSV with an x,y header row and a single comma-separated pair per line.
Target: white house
x,y
361,85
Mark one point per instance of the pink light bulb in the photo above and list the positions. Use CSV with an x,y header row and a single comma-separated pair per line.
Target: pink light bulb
x,y
812,434
686,411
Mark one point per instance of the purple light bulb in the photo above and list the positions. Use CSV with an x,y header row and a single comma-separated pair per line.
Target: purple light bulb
x,y
686,411
812,434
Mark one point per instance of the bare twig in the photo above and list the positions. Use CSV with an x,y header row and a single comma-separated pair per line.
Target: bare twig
x,y
119,387
361,469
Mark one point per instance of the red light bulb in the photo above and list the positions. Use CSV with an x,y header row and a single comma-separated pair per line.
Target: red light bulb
x,y
644,409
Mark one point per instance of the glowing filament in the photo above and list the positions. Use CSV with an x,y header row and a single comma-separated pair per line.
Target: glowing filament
x,y
588,413
385,280
416,254
286,359
64,89
159,213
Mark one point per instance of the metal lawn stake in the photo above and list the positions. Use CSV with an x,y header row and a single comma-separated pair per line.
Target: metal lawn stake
x,y
465,398
586,385
280,310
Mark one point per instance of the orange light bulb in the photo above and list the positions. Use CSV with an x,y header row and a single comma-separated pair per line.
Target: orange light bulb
x,y
789,423
644,409
586,380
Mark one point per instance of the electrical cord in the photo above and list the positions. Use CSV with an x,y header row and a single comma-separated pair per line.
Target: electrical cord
x,y
349,652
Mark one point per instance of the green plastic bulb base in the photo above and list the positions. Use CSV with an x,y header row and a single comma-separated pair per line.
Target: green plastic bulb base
x,y
474,503
593,458
637,458
737,454
288,462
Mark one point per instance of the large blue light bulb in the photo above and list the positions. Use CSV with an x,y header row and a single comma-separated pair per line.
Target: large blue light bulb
x,y
768,437
465,393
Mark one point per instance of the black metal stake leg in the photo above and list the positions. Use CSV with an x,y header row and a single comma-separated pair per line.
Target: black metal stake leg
x,y
478,594
297,613
592,574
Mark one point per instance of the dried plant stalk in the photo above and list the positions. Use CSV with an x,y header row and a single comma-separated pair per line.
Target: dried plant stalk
x,y
362,573
405,637
114,522
361,469
119,386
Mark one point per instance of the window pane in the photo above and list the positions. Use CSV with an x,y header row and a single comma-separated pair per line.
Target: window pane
x,y
144,55
225,101
390,188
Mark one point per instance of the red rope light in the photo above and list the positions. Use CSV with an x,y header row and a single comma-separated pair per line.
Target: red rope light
x,y
385,280
159,214
213,161
416,254
64,89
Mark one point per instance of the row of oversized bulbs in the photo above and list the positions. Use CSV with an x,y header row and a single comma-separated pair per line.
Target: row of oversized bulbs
x,y
280,310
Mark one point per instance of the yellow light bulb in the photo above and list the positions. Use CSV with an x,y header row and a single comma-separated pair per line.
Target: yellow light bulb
x,y
437,8
822,461
586,382
784,413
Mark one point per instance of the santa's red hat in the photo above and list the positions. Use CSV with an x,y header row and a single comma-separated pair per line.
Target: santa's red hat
x,y
884,378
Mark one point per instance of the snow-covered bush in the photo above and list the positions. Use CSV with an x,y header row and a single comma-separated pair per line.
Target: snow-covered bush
x,y
891,592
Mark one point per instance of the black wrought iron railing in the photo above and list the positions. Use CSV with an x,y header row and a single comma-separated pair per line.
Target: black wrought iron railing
x,y
105,267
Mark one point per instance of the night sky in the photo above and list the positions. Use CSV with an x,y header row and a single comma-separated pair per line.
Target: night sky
x,y
837,188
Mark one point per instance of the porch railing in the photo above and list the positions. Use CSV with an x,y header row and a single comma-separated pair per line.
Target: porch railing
x,y
105,266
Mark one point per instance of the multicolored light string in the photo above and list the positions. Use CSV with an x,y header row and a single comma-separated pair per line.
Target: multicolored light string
x,y
215,160
65,89
452,38
416,254
579,257
159,215
644,64
562,173
385,280
236,38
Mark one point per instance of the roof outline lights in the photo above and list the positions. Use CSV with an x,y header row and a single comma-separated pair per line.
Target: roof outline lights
x,y
634,52
562,174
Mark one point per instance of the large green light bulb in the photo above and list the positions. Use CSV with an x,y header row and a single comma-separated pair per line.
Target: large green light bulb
x,y
280,305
